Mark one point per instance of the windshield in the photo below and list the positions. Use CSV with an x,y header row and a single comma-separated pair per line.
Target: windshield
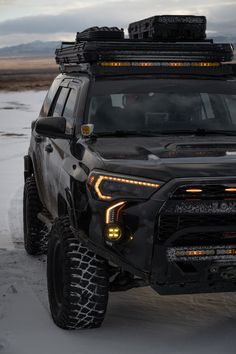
x,y
162,105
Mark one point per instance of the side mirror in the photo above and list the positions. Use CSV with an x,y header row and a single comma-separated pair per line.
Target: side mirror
x,y
52,127
33,124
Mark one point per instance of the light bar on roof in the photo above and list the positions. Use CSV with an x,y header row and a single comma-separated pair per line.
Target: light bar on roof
x,y
159,64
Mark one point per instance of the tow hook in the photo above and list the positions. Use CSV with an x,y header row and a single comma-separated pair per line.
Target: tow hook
x,y
228,273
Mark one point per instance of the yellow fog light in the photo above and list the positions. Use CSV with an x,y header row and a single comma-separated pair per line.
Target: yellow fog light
x,y
113,233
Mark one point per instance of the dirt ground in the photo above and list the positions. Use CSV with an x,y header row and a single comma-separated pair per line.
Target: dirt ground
x,y
18,74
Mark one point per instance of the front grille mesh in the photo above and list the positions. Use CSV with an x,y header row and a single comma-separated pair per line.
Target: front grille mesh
x,y
170,221
170,224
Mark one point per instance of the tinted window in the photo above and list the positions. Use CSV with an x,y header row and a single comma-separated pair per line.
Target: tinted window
x,y
49,98
162,105
69,109
231,104
57,112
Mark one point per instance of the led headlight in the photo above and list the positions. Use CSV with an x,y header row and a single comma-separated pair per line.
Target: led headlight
x,y
109,187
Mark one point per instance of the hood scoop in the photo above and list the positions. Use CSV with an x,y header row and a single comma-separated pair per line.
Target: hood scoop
x,y
206,147
198,150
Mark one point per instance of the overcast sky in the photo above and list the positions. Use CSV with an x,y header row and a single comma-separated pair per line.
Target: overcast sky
x,y
23,21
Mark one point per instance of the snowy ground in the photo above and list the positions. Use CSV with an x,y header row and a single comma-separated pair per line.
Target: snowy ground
x,y
138,321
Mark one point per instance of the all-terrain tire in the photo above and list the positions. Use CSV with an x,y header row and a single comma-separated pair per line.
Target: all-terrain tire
x,y
35,235
78,281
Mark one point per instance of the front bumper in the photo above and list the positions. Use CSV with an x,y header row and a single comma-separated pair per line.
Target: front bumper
x,y
195,250
161,225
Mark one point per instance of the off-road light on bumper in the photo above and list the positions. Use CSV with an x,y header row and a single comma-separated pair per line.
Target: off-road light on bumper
x,y
201,253
195,253
113,233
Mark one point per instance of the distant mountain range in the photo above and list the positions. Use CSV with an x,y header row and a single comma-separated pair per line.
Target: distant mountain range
x,y
222,39
47,49
33,49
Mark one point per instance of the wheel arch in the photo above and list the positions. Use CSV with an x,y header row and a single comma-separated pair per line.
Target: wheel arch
x,y
62,206
28,167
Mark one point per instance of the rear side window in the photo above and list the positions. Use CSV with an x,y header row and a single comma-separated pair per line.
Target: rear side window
x,y
49,98
69,109
60,102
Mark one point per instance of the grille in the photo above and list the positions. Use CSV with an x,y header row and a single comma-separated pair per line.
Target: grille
x,y
210,213
210,191
170,224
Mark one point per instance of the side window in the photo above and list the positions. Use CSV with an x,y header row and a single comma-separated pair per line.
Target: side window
x,y
231,104
60,102
207,110
68,112
49,98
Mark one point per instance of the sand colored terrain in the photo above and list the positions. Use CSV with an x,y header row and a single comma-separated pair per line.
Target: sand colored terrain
x,y
18,74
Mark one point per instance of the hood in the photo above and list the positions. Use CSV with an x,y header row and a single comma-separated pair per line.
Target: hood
x,y
168,157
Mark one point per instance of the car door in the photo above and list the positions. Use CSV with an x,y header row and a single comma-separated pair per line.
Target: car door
x,y
59,149
38,142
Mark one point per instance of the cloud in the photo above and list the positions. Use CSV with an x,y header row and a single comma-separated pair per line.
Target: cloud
x,y
111,13
6,2
221,16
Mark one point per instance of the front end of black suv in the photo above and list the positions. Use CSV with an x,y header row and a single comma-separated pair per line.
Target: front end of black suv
x,y
178,234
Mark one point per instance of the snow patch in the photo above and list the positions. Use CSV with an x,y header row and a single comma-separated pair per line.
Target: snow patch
x,y
137,321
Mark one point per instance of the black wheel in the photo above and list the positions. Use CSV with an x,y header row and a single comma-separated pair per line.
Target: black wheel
x,y
35,235
78,281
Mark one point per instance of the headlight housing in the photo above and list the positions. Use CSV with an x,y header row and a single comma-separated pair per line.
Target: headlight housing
x,y
108,187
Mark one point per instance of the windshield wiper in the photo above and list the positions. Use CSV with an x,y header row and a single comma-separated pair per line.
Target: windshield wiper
x,y
124,133
199,132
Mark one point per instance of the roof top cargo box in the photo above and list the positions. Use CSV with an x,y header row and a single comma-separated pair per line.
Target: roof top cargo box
x,y
100,33
169,28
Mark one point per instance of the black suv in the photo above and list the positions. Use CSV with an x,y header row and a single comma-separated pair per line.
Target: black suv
x,y
130,178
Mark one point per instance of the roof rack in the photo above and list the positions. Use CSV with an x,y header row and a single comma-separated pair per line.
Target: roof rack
x,y
97,45
128,50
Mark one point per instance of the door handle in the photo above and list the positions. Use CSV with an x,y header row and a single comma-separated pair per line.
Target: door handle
x,y
49,148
